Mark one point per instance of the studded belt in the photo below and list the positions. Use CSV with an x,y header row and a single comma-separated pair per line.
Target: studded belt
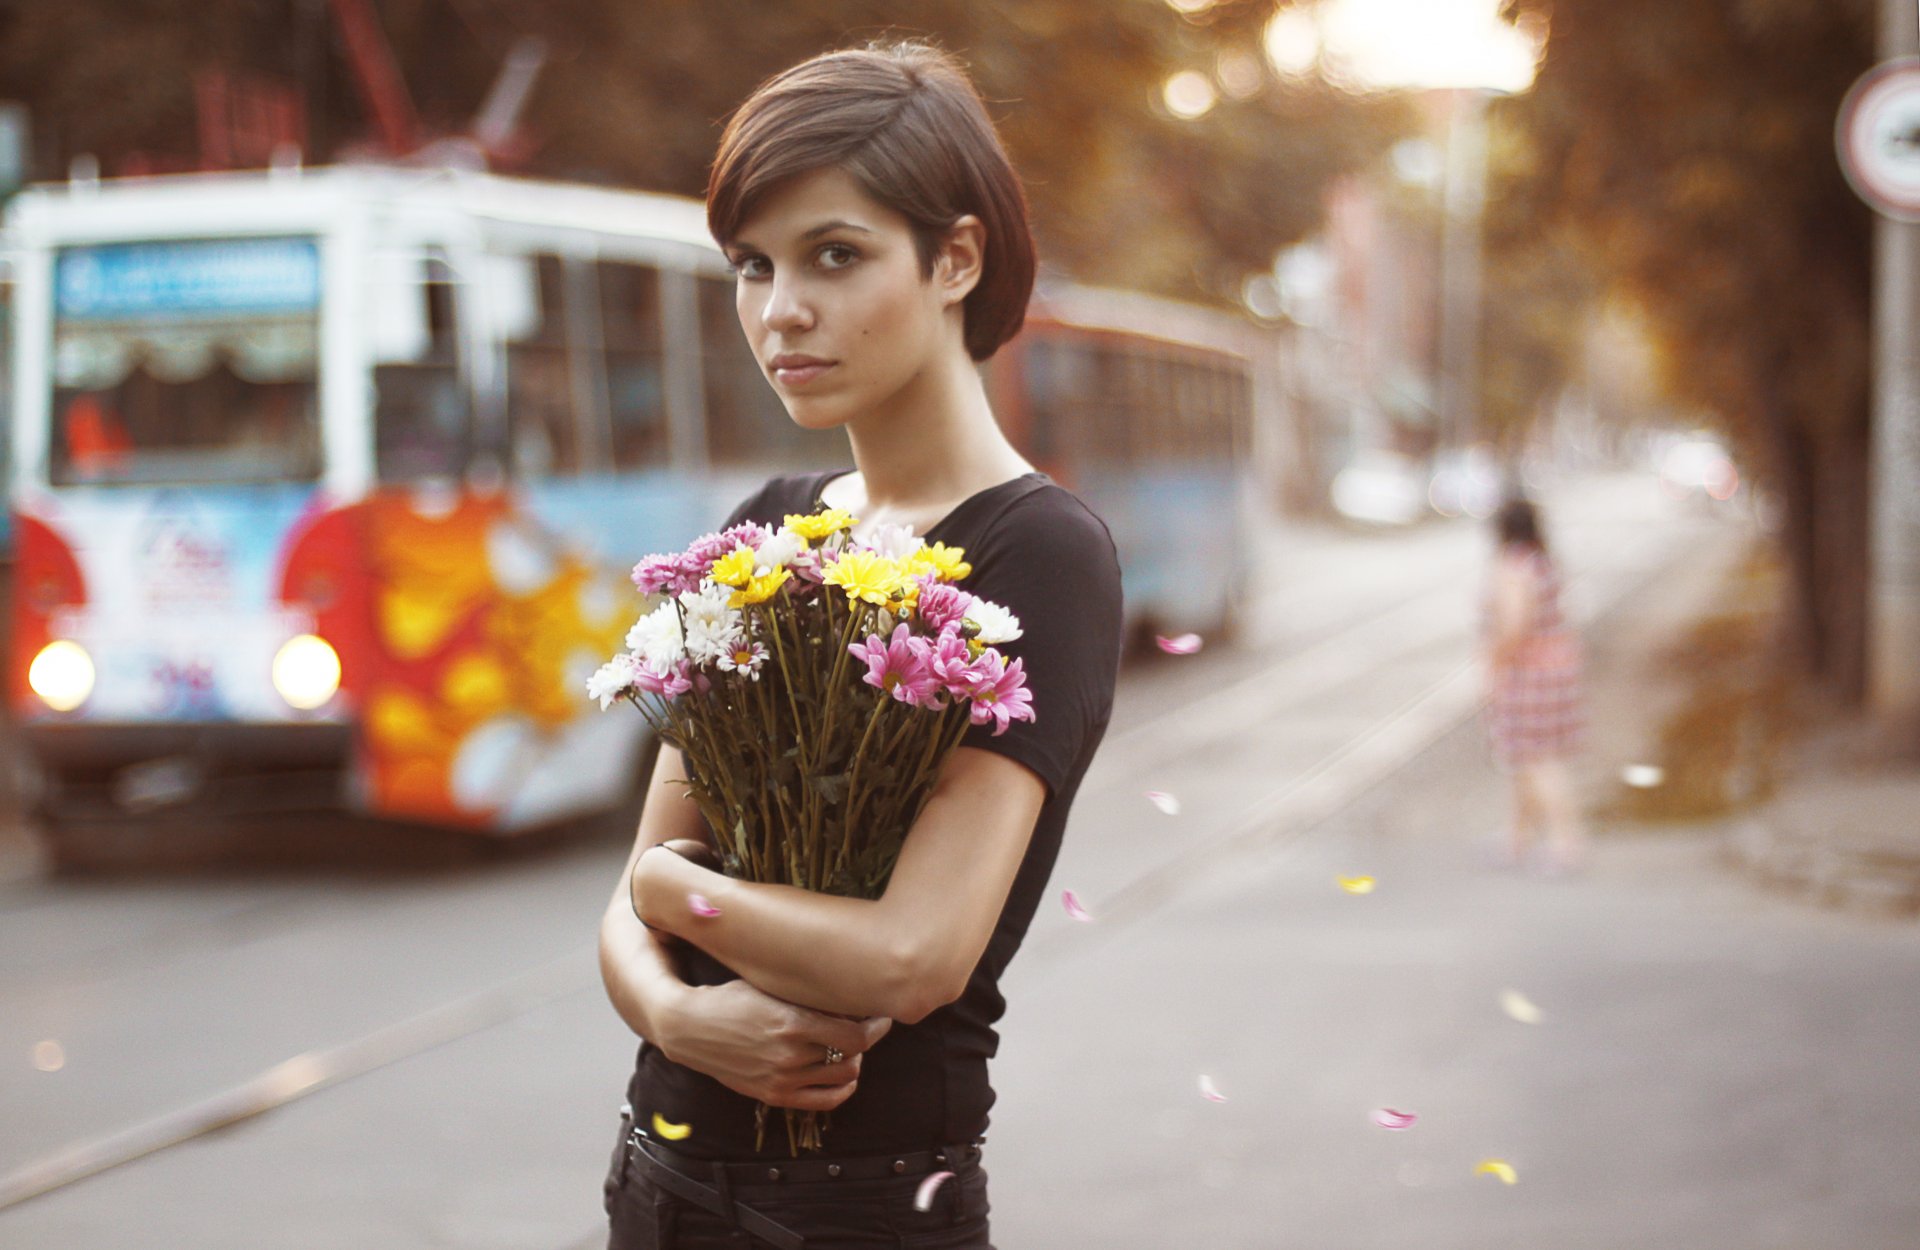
x,y
709,1184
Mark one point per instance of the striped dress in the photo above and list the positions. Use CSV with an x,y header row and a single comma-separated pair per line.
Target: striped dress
x,y
1536,708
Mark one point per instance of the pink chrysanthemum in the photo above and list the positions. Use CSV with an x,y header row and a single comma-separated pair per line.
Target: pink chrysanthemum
x,y
901,666
659,575
999,693
952,661
940,604
670,684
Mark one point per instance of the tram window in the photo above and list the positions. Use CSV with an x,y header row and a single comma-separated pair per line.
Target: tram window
x,y
635,359
541,410
1043,366
746,422
185,403
421,412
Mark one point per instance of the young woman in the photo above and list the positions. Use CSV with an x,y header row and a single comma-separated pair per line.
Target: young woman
x,y
880,242
1536,706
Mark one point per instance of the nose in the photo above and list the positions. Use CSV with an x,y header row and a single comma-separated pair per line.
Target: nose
x,y
786,310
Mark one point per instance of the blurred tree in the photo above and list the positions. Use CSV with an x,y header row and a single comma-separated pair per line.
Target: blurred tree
x,y
1123,193
1683,153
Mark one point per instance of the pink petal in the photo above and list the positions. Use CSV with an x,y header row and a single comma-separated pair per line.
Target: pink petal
x,y
1208,1092
1164,801
1072,903
699,906
1387,1117
923,1197
1185,644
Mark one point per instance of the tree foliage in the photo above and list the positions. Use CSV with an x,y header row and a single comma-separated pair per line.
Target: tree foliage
x,y
1682,154
636,93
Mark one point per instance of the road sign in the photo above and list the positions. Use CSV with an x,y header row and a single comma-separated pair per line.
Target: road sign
x,y
1878,137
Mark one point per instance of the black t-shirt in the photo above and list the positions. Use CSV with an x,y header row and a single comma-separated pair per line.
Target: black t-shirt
x,y
1042,554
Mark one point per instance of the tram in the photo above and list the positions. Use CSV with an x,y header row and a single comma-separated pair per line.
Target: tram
x,y
325,483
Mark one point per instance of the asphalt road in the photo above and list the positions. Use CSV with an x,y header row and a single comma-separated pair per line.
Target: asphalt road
x,y
1712,1068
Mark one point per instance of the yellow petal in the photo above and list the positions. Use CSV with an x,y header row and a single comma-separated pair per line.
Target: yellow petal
x,y
1497,1167
1356,885
674,1132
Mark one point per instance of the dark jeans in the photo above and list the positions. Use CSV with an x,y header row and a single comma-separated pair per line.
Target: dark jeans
x,y
832,1215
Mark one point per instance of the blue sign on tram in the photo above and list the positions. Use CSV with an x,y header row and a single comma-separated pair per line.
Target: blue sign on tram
x,y
199,278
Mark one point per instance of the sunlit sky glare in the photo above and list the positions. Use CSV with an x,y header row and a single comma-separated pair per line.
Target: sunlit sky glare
x,y
1391,44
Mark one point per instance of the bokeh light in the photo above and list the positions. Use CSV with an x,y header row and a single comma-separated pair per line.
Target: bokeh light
x,y
1189,95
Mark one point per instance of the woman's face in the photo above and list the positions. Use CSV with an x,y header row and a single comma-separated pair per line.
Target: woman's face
x,y
831,298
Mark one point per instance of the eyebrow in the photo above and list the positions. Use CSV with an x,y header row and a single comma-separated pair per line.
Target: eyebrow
x,y
825,227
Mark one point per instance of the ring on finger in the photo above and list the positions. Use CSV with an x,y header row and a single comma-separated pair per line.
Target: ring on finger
x,y
835,1054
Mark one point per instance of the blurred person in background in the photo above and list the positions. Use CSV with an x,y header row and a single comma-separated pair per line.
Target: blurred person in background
x,y
1536,699
880,241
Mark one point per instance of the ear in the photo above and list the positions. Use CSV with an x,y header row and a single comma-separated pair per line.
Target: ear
x,y
957,267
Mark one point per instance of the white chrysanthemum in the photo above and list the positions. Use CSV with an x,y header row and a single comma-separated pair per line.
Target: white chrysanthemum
x,y
709,625
777,550
895,542
995,623
744,657
656,638
612,679
707,608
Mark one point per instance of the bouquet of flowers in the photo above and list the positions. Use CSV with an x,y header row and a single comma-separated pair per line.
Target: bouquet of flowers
x,y
816,686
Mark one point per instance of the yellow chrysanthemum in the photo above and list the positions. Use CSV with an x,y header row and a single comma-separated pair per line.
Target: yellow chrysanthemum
x,y
821,524
864,575
735,568
759,590
944,561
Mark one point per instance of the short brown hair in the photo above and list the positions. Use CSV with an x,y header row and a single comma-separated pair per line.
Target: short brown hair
x,y
907,123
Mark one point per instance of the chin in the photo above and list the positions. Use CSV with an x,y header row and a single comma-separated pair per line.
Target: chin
x,y
810,413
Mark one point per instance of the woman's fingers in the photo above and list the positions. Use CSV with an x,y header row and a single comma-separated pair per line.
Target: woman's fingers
x,y
849,1037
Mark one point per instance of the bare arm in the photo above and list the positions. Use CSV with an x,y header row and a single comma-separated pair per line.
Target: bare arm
x,y
1512,608
901,955
751,1042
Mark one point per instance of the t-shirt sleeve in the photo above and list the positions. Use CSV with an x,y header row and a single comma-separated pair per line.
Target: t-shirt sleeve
x,y
1052,564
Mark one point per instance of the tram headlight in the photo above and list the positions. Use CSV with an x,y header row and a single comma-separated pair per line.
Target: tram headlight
x,y
306,672
62,675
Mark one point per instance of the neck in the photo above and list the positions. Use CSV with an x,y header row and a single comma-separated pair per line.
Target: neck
x,y
935,440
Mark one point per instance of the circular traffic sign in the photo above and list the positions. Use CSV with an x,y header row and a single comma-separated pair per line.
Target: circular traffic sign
x,y
1878,137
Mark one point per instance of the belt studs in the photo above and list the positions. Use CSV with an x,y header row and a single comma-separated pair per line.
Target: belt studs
x,y
833,1169
899,1166
773,1174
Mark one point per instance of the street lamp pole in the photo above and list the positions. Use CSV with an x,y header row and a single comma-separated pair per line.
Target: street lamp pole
x,y
1461,251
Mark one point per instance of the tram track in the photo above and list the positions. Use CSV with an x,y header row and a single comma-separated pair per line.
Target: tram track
x,y
1297,804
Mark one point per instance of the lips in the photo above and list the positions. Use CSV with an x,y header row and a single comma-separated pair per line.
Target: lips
x,y
797,370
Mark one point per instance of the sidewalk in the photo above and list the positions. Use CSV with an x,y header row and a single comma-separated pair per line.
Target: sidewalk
x,y
1815,807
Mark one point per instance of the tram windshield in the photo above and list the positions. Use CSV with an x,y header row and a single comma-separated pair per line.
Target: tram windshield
x,y
186,362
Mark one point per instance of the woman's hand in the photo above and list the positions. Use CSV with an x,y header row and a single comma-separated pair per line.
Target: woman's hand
x,y
768,1049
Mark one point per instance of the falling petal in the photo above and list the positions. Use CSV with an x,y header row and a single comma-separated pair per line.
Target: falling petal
x,y
1164,801
1497,1167
1185,644
1643,776
1356,885
1072,903
699,906
48,1056
923,1196
669,1130
1519,1006
1208,1092
1387,1117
